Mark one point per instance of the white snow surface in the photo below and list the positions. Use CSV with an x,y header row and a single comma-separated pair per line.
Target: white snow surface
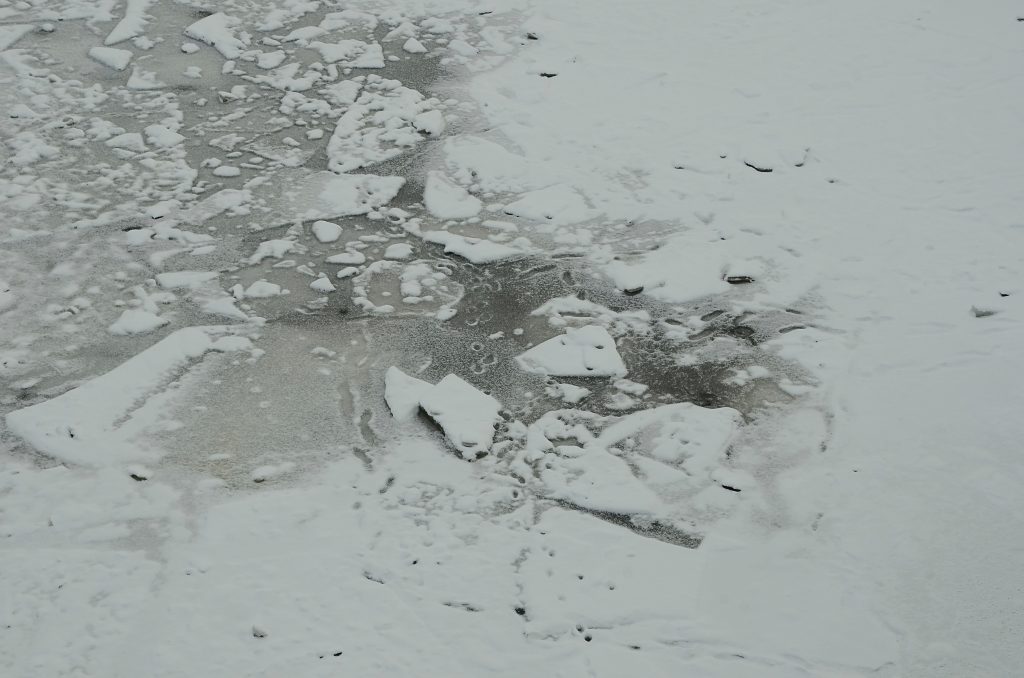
x,y
403,393
447,200
465,414
137,321
104,421
812,210
587,351
218,31
111,57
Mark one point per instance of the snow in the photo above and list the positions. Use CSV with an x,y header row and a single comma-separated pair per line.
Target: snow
x,y
414,46
475,250
326,195
403,393
559,204
271,60
218,31
695,437
398,251
262,289
162,136
447,200
378,125
11,33
111,57
323,284
129,141
7,298
326,231
184,279
431,123
137,321
131,25
466,415
587,351
569,393
798,224
347,258
94,424
271,249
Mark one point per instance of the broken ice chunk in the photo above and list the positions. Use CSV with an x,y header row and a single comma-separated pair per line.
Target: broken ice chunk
x,y
162,136
585,352
111,57
218,31
447,200
414,46
348,257
129,141
683,433
402,393
467,416
568,392
137,321
399,250
326,231
184,279
431,123
262,289
271,249
475,250
322,284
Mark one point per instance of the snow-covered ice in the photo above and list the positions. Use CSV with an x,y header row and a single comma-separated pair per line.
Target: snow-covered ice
x,y
447,200
722,302
587,351
465,414
111,57
403,393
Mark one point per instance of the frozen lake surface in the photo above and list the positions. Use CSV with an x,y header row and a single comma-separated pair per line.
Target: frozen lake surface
x,y
429,338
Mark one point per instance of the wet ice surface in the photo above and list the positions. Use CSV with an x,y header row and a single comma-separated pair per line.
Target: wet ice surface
x,y
297,208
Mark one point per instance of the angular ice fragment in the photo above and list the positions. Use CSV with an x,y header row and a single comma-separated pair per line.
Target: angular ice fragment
x,y
111,57
467,416
218,31
694,437
402,393
585,352
447,200
326,231
137,321
104,421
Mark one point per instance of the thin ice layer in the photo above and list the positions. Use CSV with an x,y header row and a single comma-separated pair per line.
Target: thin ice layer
x,y
94,424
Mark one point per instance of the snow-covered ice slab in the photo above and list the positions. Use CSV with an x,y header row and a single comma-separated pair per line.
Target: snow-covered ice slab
x,y
635,465
682,433
581,352
466,415
474,250
600,481
218,31
132,24
447,200
11,33
403,393
98,423
632,578
111,57
325,195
